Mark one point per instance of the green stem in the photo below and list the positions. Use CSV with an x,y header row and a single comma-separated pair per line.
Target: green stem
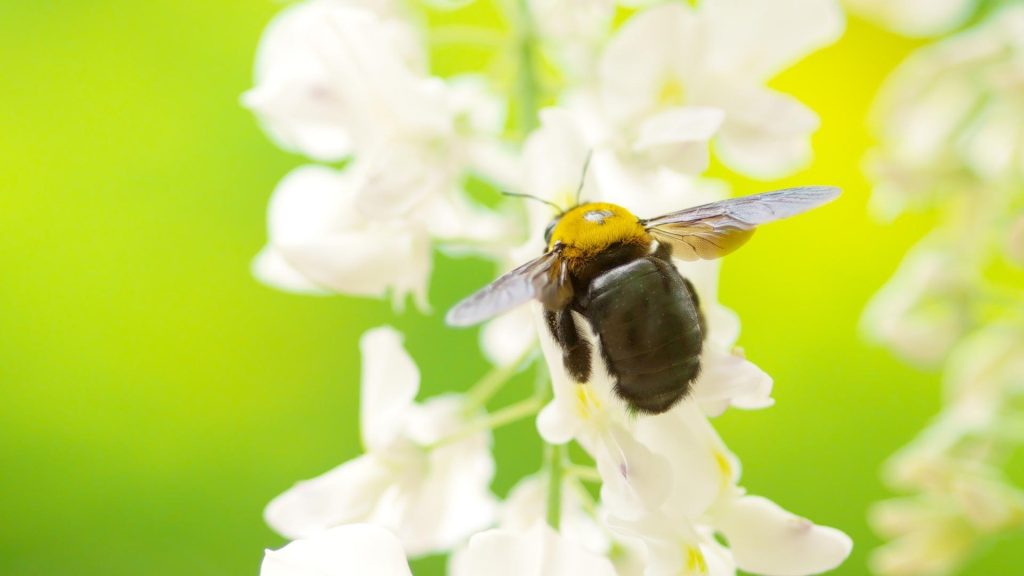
x,y
494,381
584,473
527,84
503,417
555,459
466,35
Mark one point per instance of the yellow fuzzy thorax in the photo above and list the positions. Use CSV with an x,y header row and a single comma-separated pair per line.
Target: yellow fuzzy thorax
x,y
592,227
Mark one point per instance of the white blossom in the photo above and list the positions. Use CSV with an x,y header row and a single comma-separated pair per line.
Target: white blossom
x,y
320,240
948,117
950,122
353,550
705,498
329,72
922,311
338,79
672,70
431,497
525,508
915,17
538,551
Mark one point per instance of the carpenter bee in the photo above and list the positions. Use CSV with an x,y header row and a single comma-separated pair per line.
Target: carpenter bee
x,y
607,267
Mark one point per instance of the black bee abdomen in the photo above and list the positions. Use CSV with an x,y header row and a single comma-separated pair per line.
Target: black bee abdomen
x,y
649,324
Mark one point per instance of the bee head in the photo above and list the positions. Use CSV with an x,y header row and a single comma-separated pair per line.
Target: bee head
x,y
592,226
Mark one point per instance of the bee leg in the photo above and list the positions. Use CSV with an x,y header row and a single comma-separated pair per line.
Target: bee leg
x,y
576,352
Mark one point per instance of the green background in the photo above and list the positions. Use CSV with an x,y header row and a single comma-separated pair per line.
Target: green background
x,y
155,397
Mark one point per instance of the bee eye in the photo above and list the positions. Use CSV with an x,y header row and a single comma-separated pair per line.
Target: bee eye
x,y
549,230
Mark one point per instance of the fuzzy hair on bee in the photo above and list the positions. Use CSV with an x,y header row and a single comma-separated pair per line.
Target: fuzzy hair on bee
x,y
607,267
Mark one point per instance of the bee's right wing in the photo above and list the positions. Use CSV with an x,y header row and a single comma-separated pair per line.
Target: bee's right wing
x,y
713,230
545,278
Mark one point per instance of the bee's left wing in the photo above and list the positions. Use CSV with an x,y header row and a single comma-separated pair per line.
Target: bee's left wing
x,y
713,230
545,278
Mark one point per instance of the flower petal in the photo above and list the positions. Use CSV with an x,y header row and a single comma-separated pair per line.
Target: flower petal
x,y
728,379
765,539
271,268
766,133
758,39
915,17
353,550
557,424
658,48
677,138
635,480
390,383
539,552
680,436
343,495
320,96
526,505
315,228
440,504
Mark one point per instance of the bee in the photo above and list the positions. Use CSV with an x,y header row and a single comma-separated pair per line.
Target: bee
x,y
610,269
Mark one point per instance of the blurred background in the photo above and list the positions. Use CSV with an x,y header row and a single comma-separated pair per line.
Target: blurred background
x,y
155,397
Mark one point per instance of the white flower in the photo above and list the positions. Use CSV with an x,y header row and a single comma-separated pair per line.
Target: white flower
x,y
538,551
332,73
574,29
704,498
525,508
353,550
337,79
948,117
765,539
673,70
936,532
985,370
922,310
915,17
320,240
431,497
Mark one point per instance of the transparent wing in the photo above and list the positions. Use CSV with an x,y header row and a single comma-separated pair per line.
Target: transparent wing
x,y
545,278
713,230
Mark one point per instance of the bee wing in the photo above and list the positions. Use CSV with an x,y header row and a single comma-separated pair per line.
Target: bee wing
x,y
713,230
545,278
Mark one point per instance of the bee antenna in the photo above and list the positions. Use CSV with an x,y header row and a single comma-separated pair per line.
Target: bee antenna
x,y
583,176
532,197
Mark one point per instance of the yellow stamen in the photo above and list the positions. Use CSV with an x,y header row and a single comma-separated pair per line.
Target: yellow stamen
x,y
724,466
587,404
695,562
672,93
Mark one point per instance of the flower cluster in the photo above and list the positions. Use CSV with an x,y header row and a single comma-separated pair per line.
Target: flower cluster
x,y
345,82
953,142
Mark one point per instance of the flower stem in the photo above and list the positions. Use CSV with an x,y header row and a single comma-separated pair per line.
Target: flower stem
x,y
527,84
555,463
494,381
584,473
503,417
